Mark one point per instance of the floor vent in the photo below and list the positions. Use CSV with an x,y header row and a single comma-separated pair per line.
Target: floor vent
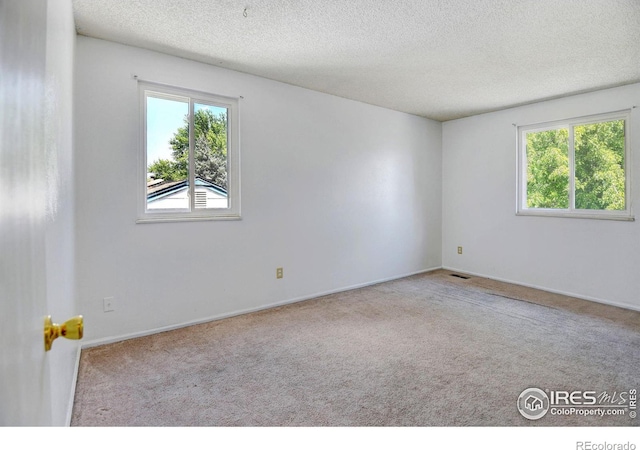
x,y
459,276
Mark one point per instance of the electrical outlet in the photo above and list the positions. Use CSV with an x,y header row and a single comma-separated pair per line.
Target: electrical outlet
x,y
459,250
108,304
279,273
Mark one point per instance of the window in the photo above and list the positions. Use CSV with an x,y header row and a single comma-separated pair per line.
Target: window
x,y
190,155
575,168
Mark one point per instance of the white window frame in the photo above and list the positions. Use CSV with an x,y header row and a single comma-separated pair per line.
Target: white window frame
x,y
232,212
524,210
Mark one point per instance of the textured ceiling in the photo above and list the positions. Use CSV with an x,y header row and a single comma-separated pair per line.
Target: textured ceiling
x,y
441,59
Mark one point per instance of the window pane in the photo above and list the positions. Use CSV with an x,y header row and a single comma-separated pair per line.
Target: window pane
x,y
210,156
167,154
548,169
599,160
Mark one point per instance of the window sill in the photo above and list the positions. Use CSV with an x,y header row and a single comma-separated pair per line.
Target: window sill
x,y
186,218
625,217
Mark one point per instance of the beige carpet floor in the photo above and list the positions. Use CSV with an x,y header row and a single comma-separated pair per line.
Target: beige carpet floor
x,y
427,350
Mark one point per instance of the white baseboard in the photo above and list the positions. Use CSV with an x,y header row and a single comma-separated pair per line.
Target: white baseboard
x,y
553,291
113,339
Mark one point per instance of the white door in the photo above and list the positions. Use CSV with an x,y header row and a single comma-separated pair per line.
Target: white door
x,y
25,397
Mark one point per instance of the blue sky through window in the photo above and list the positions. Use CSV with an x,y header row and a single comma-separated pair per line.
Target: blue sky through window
x,y
164,117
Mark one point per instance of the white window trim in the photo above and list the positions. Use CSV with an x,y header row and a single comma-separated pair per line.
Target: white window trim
x,y
233,156
572,212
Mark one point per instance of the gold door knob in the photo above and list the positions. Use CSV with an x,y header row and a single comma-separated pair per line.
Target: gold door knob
x,y
71,329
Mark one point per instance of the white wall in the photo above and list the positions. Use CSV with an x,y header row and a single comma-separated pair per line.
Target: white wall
x,y
60,225
593,259
336,192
